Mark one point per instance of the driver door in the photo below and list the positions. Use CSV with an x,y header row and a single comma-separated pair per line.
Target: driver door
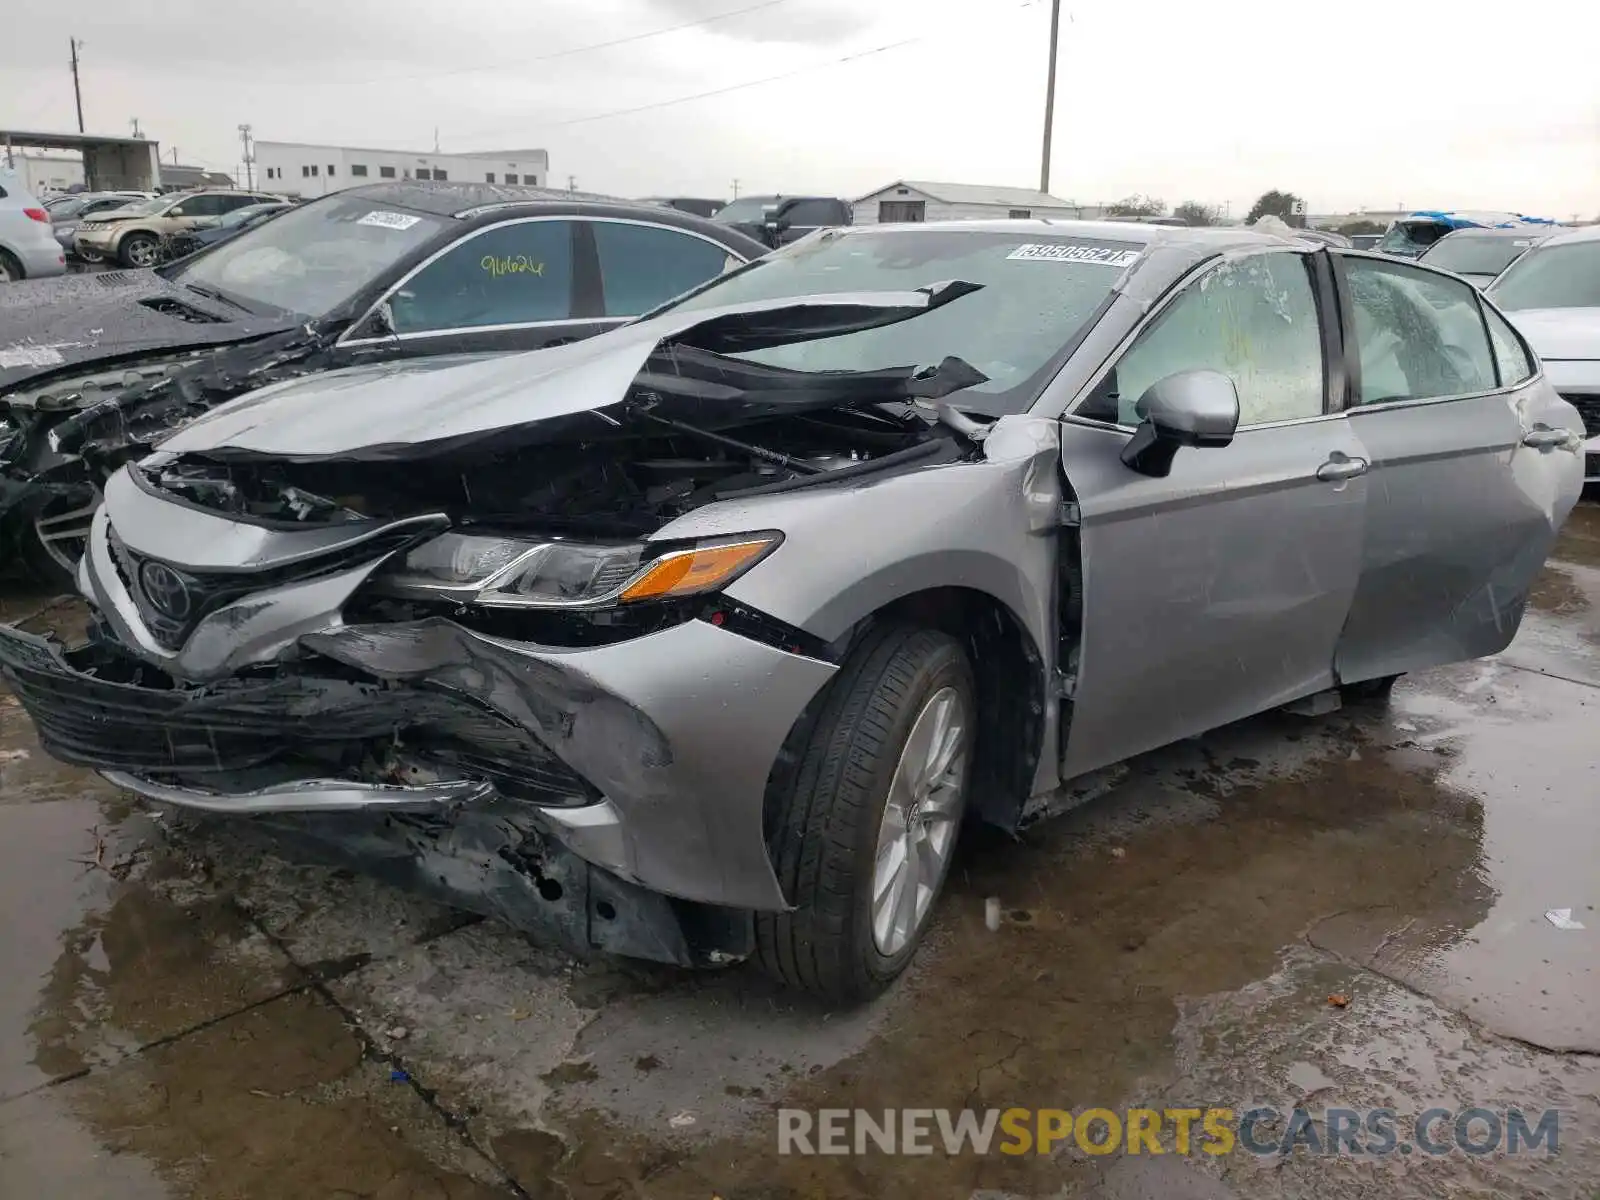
x,y
1218,591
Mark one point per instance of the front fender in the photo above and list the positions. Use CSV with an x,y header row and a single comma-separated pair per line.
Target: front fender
x,y
988,524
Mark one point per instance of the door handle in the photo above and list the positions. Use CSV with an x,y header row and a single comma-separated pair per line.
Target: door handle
x,y
1545,438
1340,467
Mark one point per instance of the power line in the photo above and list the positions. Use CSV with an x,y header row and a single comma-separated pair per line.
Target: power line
x,y
734,87
567,53
739,87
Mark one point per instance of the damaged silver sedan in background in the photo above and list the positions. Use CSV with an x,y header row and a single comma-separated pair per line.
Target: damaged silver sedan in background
x,y
700,641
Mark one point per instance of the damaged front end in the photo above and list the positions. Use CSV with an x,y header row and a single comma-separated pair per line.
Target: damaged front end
x,y
65,435
480,663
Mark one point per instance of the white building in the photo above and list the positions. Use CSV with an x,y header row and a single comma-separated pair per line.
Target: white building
x,y
46,174
300,169
918,200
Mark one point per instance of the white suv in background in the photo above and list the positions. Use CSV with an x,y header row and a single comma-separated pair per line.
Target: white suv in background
x,y
1552,294
28,246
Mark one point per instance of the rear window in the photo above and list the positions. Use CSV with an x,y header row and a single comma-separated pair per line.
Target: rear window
x,y
1474,255
1560,276
1037,293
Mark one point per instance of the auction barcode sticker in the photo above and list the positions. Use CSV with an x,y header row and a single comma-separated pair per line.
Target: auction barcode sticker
x,y
389,220
1057,252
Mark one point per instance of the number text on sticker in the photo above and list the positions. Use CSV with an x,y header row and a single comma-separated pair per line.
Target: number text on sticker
x,y
1056,252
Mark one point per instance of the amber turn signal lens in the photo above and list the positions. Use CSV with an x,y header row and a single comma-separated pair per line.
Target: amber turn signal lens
x,y
686,572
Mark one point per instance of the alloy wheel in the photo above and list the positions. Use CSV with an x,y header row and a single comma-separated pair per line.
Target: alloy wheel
x,y
927,798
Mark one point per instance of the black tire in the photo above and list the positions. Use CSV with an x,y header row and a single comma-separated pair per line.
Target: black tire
x,y
133,241
1368,691
10,269
826,813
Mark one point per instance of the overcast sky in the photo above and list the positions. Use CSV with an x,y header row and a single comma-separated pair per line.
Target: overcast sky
x,y
1365,103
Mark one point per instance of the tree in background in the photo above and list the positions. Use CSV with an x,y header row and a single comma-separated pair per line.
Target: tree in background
x,y
1352,228
1137,206
1192,212
1277,204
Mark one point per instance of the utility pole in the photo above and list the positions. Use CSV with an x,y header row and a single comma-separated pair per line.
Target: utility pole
x,y
249,157
1050,97
436,139
134,123
735,189
77,90
572,183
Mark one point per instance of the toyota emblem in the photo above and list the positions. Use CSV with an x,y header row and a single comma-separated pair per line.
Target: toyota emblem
x,y
166,590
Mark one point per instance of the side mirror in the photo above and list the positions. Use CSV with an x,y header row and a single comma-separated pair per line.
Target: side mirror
x,y
775,219
1189,408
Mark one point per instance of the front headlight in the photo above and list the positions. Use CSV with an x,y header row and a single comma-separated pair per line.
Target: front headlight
x,y
518,573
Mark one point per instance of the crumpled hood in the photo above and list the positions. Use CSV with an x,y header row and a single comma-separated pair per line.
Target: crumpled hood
x,y
1558,333
51,326
389,410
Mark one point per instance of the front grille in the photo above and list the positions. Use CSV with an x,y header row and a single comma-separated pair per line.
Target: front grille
x,y
1589,409
172,601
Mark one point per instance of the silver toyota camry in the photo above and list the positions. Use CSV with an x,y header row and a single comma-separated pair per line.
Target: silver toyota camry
x,y
701,640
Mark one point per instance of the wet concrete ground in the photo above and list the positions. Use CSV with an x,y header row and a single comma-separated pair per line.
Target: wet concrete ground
x,y
185,1014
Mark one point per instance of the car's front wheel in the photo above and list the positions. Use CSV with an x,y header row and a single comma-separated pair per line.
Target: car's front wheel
x,y
865,824
139,250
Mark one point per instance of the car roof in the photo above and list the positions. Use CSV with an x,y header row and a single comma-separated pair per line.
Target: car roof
x,y
1212,238
450,199
1525,232
1583,233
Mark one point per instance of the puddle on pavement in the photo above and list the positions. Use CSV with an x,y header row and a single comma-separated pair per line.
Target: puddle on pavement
x,y
1424,843
1072,1003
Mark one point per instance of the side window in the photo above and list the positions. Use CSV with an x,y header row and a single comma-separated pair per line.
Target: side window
x,y
1509,352
514,274
806,213
1419,334
229,203
642,266
1254,319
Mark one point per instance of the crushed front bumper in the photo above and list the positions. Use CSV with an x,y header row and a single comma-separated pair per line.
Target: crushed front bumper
x,y
648,758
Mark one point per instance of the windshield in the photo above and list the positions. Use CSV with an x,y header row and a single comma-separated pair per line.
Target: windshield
x,y
1037,292
1561,276
1410,238
745,211
1474,254
311,259
142,208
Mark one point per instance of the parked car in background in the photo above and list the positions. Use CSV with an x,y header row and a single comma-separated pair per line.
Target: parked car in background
x,y
1409,236
1552,294
702,640
95,369
779,220
689,204
1478,255
28,249
219,229
132,236
68,211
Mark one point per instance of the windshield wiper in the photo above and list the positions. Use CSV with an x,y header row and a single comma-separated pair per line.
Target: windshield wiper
x,y
215,294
